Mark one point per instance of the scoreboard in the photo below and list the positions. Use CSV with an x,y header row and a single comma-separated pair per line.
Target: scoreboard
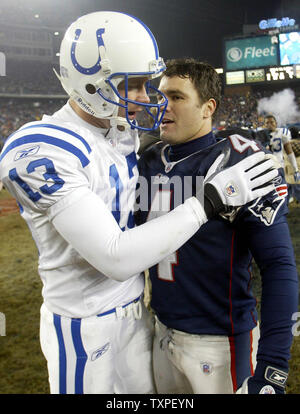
x,y
265,58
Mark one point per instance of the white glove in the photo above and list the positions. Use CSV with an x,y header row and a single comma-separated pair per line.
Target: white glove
x,y
238,185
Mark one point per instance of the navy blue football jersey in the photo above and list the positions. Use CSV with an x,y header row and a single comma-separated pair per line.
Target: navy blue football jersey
x,y
206,286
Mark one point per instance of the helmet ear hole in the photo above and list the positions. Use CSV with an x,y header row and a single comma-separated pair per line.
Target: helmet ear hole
x,y
90,89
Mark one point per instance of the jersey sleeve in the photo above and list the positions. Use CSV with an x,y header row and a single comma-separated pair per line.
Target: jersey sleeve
x,y
119,255
272,249
41,165
265,229
286,135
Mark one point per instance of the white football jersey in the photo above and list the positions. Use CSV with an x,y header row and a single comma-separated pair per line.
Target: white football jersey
x,y
41,165
279,138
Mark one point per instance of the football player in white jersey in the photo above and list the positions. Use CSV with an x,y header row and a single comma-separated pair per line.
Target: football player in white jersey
x,y
74,176
279,141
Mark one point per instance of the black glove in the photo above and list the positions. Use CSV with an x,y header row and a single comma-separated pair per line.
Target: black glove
x,y
267,379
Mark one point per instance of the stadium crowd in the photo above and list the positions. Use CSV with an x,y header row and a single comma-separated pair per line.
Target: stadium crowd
x,y
30,78
242,110
234,111
16,112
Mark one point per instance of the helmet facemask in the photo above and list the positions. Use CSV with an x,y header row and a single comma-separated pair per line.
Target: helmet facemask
x,y
151,113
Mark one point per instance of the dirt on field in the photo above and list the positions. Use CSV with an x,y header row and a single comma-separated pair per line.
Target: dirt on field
x,y
8,206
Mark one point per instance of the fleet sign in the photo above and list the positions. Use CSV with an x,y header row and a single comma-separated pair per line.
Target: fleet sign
x,y
251,52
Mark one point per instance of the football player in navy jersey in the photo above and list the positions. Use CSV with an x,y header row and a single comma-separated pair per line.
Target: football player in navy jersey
x,y
207,331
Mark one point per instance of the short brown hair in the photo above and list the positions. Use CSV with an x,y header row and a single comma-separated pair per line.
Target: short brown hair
x,y
203,76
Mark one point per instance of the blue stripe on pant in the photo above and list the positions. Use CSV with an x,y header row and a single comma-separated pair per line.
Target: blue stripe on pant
x,y
81,356
62,355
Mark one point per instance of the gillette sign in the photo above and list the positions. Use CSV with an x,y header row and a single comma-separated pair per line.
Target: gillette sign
x,y
276,24
251,52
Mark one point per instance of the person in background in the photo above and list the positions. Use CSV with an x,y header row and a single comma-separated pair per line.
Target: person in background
x,y
293,186
279,145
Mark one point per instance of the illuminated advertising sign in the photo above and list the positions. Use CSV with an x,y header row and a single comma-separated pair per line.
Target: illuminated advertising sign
x,y
234,78
275,24
251,52
255,75
289,46
280,73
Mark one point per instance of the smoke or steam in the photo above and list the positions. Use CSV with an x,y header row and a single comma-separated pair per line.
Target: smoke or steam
x,y
282,105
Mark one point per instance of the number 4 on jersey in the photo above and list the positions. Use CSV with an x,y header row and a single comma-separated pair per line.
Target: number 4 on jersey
x,y
161,205
242,144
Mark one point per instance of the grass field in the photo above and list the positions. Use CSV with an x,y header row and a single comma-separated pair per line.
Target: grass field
x,y
22,366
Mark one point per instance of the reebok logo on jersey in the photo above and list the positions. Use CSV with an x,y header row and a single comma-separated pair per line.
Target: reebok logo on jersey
x,y
277,180
100,351
26,152
280,187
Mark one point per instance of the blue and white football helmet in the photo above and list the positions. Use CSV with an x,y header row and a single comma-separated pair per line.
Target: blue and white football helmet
x,y
102,49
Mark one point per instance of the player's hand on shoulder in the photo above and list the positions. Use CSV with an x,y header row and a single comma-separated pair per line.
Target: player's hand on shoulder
x,y
241,183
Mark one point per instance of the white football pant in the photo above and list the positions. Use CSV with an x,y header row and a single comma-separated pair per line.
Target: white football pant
x,y
99,355
202,364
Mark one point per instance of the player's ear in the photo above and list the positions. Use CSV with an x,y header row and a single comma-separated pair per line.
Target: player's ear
x,y
209,108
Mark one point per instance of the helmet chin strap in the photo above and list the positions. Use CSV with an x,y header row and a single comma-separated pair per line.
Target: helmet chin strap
x,y
118,121
114,120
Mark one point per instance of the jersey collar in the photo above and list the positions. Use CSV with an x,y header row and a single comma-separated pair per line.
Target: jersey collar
x,y
179,151
173,154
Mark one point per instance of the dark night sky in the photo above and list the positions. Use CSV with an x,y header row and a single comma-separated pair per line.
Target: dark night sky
x,y
196,27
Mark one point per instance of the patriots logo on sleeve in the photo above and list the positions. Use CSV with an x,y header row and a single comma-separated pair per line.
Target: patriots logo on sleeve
x,y
266,208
